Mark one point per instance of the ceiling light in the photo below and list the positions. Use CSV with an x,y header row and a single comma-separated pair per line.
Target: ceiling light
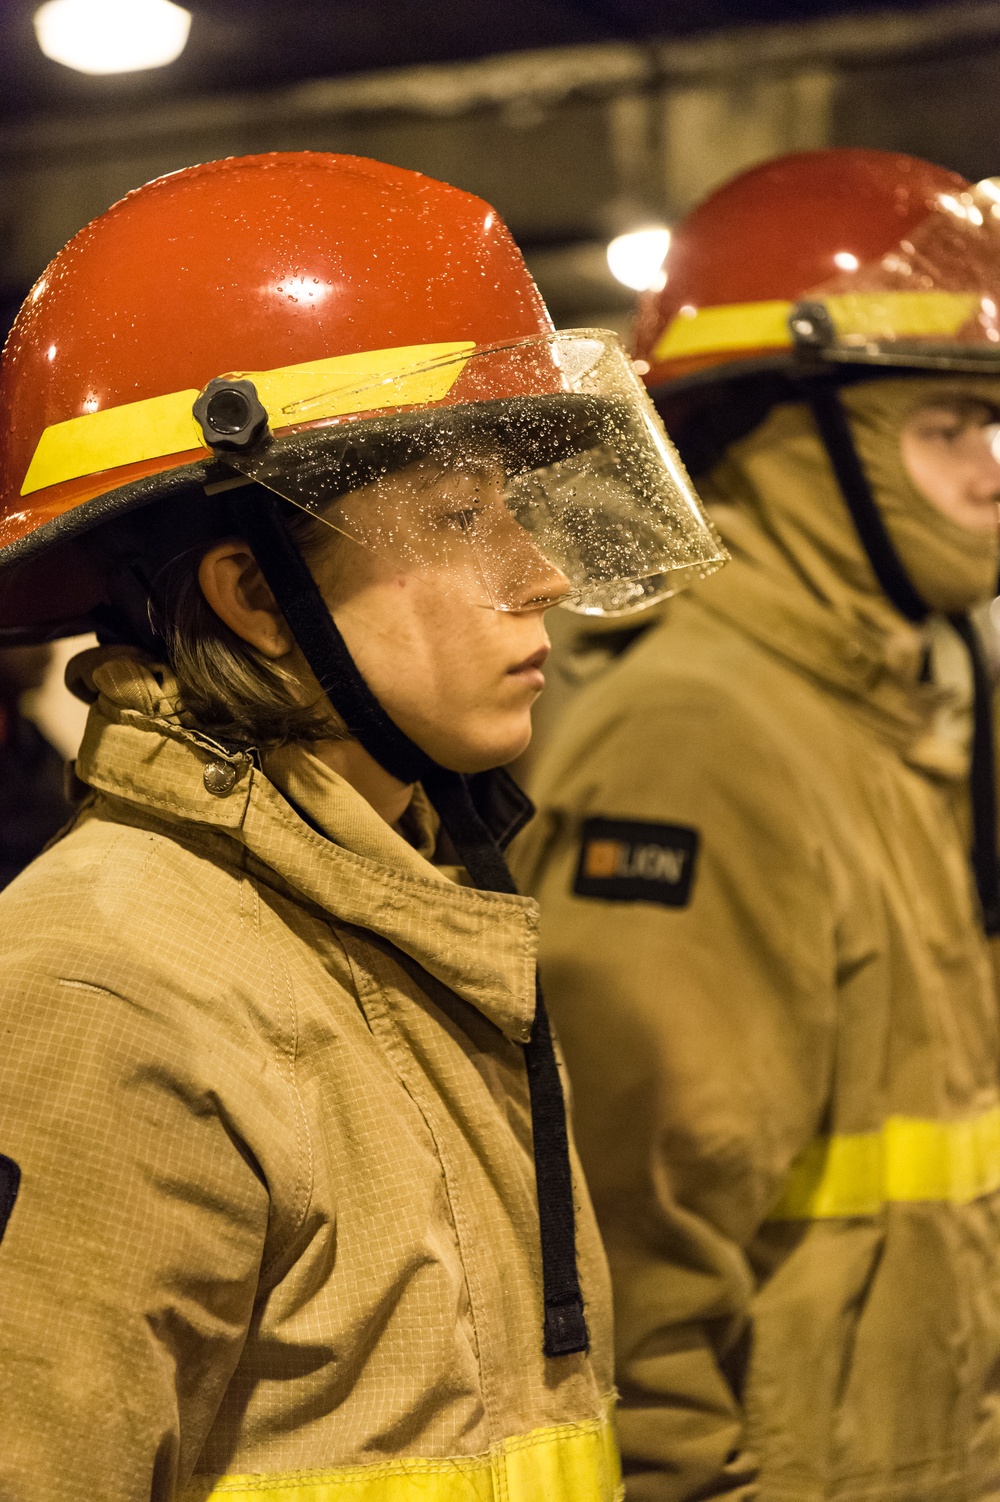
x,y
112,36
636,259
846,261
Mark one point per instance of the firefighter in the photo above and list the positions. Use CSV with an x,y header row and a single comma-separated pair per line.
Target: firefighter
x,y
766,891
287,1201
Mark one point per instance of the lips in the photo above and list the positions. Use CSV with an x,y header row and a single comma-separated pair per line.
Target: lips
x,y
532,664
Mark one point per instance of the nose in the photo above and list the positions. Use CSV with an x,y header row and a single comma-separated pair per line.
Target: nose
x,y
519,575
551,587
533,581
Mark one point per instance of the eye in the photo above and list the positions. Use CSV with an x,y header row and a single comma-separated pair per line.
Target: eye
x,y
940,430
949,423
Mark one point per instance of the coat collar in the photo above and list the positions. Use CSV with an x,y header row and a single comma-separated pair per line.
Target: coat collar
x,y
874,665
345,860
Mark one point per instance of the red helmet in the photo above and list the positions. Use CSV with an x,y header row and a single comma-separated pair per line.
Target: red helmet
x,y
250,264
844,256
331,290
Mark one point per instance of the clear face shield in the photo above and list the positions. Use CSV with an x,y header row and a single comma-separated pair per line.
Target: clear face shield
x,y
518,476
932,302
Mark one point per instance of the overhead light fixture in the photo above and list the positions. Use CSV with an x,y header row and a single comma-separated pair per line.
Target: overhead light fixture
x,y
636,259
112,36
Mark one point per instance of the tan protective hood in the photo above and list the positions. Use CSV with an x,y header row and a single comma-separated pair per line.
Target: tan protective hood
x,y
782,476
950,567
800,580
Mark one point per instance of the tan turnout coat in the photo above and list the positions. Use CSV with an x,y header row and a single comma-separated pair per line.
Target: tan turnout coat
x,y
786,1085
276,1233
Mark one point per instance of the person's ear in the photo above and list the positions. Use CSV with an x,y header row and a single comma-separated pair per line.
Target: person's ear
x,y
235,588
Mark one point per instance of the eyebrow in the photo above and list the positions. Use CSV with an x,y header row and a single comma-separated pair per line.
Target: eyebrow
x,y
969,409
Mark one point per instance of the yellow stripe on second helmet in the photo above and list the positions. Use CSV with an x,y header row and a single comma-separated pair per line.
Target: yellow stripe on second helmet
x,y
733,326
858,317
160,426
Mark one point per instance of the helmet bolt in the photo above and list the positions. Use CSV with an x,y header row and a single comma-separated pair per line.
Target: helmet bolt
x,y
228,412
811,326
231,415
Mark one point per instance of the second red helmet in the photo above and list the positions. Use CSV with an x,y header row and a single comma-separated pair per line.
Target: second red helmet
x,y
839,256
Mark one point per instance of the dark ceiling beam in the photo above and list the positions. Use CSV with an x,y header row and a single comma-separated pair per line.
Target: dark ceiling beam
x,y
542,77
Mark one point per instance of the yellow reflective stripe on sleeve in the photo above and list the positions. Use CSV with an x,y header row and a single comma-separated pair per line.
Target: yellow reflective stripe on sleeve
x,y
570,1463
163,425
944,1162
856,316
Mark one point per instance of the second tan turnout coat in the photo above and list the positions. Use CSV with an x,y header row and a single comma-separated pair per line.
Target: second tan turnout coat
x,y
762,947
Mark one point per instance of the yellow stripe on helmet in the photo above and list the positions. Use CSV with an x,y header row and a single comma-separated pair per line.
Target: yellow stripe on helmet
x,y
910,1159
163,425
856,316
87,444
733,326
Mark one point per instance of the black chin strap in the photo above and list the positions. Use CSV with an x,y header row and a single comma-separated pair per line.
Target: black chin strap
x,y
835,430
256,512
260,519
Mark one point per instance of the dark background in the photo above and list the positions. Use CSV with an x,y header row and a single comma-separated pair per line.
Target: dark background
x,y
576,118
250,44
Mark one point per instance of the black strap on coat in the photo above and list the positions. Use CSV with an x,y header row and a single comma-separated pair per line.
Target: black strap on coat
x,y
260,519
823,397
565,1323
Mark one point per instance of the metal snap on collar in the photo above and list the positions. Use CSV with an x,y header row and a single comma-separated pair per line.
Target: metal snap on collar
x,y
219,778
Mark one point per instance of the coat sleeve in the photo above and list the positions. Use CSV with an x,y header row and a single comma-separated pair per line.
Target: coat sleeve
x,y
699,1042
133,1221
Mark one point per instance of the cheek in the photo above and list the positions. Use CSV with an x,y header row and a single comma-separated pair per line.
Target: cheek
x,y
930,471
438,665
456,645
419,646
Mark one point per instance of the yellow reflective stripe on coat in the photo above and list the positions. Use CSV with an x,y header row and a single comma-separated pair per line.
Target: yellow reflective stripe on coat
x,y
942,1162
569,1463
160,426
855,316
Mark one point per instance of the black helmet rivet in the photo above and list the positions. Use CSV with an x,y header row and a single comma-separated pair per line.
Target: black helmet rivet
x,y
811,326
231,414
228,411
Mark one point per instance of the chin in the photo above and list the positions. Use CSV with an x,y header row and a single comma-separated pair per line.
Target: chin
x,y
479,752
